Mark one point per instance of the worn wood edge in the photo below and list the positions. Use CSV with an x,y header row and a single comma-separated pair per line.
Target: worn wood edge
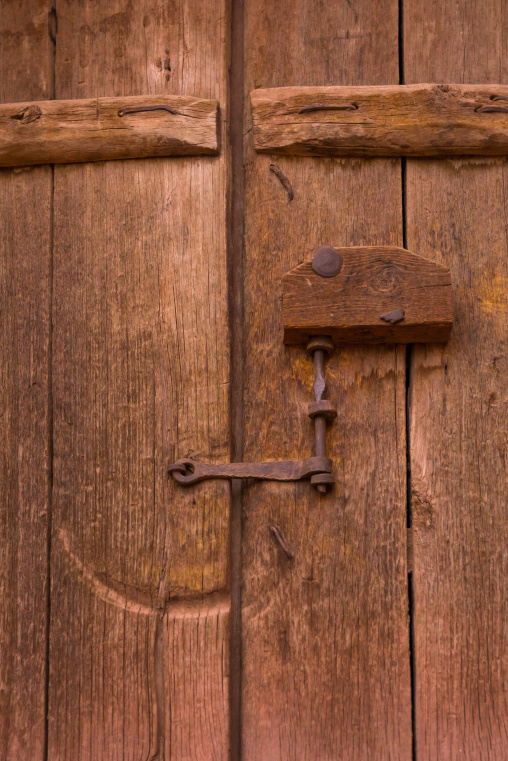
x,y
432,332
374,121
435,329
92,129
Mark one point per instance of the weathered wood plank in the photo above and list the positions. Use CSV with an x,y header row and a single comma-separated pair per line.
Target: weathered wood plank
x,y
457,216
100,129
373,282
411,120
325,656
140,601
25,258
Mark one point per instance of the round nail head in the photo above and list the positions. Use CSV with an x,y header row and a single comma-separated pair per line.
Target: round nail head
x,y
327,262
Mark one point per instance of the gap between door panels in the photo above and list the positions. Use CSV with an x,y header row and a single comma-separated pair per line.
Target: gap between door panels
x,y
235,307
409,354
52,30
235,255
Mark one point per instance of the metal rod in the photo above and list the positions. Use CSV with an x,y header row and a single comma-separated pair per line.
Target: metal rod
x,y
319,420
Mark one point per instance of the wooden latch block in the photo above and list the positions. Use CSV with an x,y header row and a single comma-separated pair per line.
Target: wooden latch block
x,y
368,294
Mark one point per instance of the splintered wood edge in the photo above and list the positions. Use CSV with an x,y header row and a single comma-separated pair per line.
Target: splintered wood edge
x,y
101,129
394,120
350,306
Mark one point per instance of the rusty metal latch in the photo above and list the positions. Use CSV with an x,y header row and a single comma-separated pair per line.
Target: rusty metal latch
x,y
346,295
187,471
318,468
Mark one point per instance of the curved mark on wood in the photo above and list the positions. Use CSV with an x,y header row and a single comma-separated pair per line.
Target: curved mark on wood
x,y
129,598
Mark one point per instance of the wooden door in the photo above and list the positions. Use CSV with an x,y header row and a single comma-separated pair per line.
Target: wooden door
x,y
140,321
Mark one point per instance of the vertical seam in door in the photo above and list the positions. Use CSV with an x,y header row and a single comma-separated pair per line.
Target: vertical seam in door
x,y
235,247
52,31
409,353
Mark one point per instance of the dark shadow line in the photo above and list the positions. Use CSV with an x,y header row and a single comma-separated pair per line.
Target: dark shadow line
x,y
409,354
52,32
236,317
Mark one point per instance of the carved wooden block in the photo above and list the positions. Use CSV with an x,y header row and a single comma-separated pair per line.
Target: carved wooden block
x,y
382,294
395,120
98,129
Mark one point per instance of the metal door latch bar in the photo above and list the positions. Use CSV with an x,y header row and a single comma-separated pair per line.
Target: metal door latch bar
x,y
187,471
318,468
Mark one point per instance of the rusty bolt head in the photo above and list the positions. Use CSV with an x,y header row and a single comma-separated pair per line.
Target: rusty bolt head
x,y
327,262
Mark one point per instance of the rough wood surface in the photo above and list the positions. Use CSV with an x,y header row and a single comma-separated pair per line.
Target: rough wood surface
x,y
140,600
325,634
456,214
25,255
412,120
373,282
99,129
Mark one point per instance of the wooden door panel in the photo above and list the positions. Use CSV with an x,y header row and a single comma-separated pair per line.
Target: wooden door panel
x,y
325,634
121,288
140,600
25,418
456,215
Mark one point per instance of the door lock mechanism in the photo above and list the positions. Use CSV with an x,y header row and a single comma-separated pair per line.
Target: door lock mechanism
x,y
318,468
366,294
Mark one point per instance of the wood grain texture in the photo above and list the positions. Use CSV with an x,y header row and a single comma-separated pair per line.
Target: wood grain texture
x,y
97,129
410,120
457,216
325,634
373,281
25,255
140,600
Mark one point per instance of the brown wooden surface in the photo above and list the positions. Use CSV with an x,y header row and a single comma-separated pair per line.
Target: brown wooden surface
x,y
96,129
114,363
413,120
325,635
140,601
457,216
373,281
25,251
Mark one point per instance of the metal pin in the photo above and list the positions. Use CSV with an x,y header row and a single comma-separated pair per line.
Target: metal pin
x,y
325,107
318,346
137,109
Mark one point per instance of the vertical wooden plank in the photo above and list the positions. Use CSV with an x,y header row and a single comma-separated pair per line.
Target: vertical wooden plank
x,y
140,600
26,67
325,635
457,216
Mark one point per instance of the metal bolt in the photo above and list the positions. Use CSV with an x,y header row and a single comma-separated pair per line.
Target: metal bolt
x,y
327,262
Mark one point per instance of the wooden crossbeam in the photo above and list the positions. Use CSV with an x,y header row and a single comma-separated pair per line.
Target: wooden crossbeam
x,y
99,129
395,120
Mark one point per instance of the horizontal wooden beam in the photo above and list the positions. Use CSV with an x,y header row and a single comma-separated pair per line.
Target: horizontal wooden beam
x,y
396,120
100,129
381,294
